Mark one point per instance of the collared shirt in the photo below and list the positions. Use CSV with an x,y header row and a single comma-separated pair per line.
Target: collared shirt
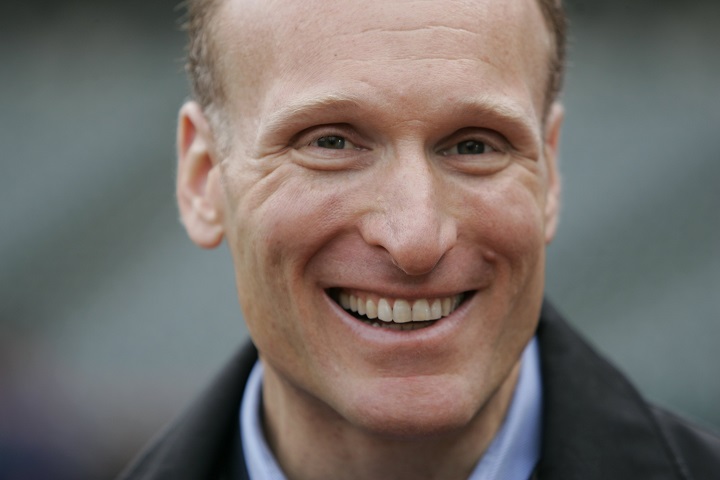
x,y
512,455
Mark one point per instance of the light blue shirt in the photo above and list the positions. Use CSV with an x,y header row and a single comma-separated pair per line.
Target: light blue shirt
x,y
512,455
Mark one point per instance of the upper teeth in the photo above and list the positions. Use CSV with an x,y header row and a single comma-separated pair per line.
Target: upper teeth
x,y
399,310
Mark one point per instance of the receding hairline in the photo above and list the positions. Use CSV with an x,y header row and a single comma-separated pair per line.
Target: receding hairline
x,y
207,88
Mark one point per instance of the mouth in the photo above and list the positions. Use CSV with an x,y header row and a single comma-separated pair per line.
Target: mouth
x,y
396,313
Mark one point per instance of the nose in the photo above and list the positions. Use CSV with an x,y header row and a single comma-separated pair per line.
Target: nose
x,y
410,218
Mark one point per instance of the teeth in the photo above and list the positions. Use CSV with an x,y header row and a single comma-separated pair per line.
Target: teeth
x,y
447,303
371,309
420,311
436,309
345,300
385,313
400,311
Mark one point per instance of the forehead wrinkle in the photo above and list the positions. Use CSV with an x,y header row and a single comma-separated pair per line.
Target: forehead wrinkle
x,y
432,27
401,43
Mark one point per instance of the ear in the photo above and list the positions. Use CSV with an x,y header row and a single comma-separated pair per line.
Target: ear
x,y
198,178
551,147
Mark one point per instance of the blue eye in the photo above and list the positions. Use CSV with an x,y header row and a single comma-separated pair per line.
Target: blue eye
x,y
333,142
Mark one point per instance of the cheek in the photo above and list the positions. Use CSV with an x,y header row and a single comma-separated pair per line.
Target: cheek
x,y
279,223
292,221
506,216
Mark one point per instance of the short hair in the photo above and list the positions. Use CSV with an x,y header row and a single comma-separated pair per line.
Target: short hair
x,y
207,90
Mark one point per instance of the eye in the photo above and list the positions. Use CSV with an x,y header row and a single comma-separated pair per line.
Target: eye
x,y
333,142
330,147
469,147
476,151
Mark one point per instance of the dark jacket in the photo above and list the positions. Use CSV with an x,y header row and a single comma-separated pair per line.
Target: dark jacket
x,y
595,424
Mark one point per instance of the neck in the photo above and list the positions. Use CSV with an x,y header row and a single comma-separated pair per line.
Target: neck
x,y
310,440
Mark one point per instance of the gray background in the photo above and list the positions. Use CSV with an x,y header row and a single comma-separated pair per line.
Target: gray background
x,y
111,320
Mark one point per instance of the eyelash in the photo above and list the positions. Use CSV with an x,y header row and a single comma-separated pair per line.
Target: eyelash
x,y
496,145
455,146
310,139
307,139
346,141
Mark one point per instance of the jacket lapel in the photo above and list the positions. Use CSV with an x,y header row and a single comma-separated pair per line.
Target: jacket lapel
x,y
204,443
595,424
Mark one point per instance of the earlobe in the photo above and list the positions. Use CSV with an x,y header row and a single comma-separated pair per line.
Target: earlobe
x,y
198,181
553,127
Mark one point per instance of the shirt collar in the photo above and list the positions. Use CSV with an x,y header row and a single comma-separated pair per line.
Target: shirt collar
x,y
512,454
259,459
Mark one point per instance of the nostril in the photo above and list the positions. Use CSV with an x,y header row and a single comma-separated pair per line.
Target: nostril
x,y
421,256
413,267
413,223
415,246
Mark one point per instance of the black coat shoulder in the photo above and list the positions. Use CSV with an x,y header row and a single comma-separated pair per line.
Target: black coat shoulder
x,y
597,425
697,449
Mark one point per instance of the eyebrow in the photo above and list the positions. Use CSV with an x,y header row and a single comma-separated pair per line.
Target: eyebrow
x,y
506,113
487,105
307,107
314,107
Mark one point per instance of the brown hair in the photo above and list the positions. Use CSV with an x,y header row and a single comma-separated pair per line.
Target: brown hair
x,y
206,89
556,21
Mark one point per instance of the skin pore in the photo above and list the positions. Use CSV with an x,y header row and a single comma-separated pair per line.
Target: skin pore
x,y
393,150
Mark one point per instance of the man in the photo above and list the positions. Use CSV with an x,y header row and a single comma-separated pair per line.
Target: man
x,y
385,175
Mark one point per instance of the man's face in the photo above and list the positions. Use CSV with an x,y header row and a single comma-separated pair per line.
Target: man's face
x,y
390,155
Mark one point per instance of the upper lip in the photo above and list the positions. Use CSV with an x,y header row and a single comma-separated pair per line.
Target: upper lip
x,y
400,293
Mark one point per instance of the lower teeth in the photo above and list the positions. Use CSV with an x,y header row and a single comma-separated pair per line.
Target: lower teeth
x,y
399,326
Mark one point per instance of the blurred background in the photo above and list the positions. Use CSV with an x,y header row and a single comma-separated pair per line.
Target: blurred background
x,y
111,320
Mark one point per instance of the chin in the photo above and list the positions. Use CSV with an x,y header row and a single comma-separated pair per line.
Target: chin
x,y
413,408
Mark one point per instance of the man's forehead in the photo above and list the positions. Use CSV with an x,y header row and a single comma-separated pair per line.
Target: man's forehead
x,y
293,27
368,14
260,41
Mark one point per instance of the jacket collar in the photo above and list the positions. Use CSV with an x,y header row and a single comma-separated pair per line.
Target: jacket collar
x,y
203,443
595,423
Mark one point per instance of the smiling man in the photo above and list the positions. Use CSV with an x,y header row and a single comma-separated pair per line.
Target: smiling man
x,y
385,176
